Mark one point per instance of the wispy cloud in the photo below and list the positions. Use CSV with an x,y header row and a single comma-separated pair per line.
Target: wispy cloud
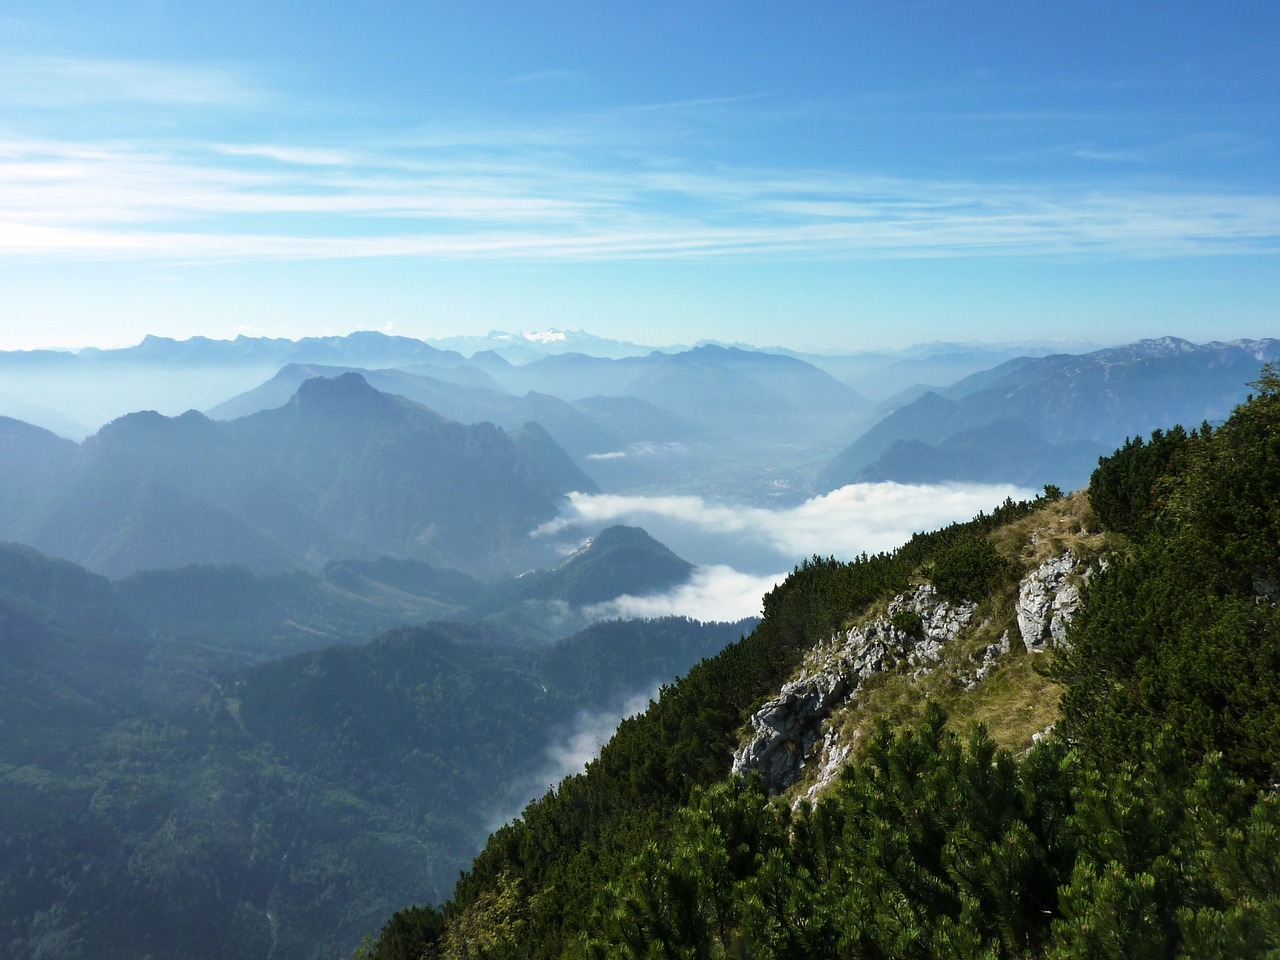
x,y
60,82
603,186
570,752
291,155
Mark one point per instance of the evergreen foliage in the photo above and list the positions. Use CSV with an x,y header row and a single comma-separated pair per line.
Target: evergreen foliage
x,y
1125,488
581,836
287,808
969,570
1147,827
1184,638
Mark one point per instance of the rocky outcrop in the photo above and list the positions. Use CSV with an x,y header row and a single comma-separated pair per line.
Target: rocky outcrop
x,y
787,732
990,656
832,752
1048,599
792,733
785,729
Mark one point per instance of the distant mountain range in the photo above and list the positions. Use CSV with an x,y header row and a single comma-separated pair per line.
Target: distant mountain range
x,y
690,421
684,395
726,422
1048,419
73,394
524,347
339,471
591,426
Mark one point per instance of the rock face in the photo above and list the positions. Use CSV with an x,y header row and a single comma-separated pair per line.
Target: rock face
x,y
792,732
990,656
787,732
1048,599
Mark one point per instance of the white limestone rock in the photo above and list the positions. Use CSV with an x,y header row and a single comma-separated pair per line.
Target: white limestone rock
x,y
990,656
1048,599
830,758
788,732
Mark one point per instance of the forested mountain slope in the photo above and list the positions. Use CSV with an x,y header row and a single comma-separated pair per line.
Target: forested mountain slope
x,y
1145,824
292,805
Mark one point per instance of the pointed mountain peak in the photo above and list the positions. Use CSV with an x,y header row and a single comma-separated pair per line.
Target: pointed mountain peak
x,y
630,560
629,537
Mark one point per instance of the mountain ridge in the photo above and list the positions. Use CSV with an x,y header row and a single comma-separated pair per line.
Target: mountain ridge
x,y
1100,397
339,470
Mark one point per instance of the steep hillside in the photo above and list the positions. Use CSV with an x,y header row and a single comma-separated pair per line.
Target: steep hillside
x,y
152,491
70,655
1141,624
232,616
685,742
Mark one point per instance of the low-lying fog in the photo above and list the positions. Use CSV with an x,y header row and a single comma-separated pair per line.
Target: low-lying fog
x,y
741,552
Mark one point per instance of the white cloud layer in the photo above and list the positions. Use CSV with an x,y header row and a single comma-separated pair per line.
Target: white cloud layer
x,y
193,200
860,517
713,593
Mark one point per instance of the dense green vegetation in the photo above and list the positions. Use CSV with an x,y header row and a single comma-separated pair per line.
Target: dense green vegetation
x,y
160,795
581,836
1147,826
1183,639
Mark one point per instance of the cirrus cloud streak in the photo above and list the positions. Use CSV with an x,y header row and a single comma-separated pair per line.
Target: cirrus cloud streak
x,y
194,201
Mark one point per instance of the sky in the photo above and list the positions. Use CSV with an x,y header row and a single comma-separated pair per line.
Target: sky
x,y
820,176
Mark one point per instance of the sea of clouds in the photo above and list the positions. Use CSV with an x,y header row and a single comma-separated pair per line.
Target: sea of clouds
x,y
742,552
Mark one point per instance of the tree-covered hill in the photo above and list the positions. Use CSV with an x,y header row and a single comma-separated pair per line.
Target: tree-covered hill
x,y
297,802
619,560
1145,825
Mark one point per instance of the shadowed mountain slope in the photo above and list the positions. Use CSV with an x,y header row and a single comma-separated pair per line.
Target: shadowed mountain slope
x,y
341,470
1074,404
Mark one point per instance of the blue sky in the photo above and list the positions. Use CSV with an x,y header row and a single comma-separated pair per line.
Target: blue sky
x,y
815,175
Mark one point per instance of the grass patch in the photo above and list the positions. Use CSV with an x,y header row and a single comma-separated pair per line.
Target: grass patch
x,y
1066,524
1013,702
